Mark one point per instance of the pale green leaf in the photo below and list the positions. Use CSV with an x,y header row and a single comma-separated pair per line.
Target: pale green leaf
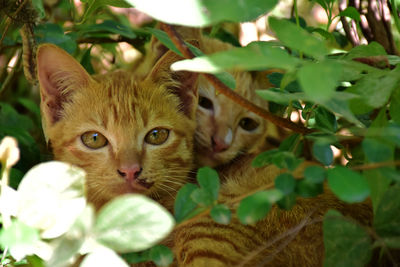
x,y
103,256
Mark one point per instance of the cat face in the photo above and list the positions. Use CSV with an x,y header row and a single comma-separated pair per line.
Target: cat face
x,y
226,130
129,136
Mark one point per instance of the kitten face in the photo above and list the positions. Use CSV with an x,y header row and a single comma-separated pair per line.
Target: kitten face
x,y
225,130
130,137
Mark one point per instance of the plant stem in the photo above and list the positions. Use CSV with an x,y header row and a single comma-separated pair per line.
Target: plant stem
x,y
395,14
296,15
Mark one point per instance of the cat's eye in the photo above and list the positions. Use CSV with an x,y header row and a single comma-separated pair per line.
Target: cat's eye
x,y
248,124
94,140
157,136
205,103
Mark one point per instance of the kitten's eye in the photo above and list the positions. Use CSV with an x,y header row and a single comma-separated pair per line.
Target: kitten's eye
x,y
205,103
94,140
157,136
248,124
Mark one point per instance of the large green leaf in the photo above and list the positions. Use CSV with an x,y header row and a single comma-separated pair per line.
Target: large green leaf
x,y
202,13
255,207
221,214
387,216
132,223
109,26
255,56
346,243
184,204
161,255
297,38
319,80
378,182
208,180
348,185
53,33
285,182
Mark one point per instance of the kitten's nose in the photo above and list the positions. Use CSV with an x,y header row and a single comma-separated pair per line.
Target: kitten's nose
x,y
130,173
218,144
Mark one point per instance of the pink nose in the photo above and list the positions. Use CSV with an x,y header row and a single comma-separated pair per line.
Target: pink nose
x,y
130,173
218,144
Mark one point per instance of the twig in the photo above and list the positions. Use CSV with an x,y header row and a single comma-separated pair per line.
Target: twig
x,y
223,89
376,165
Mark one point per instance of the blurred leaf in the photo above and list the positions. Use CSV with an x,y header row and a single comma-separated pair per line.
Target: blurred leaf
x,y
346,243
319,80
161,255
285,182
377,151
9,118
203,12
297,38
287,202
86,61
372,49
38,5
254,56
253,208
387,216
132,223
394,108
323,153
348,185
391,242
351,12
306,188
164,39
137,257
378,183
51,197
208,180
32,106
282,159
202,197
221,214
109,26
184,204
20,238
93,5
53,33
103,257
292,143
315,174
264,158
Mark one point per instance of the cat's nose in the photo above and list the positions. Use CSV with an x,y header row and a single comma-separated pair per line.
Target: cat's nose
x,y
130,173
218,144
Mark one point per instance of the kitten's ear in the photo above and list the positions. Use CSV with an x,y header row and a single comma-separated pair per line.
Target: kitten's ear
x,y
181,83
59,75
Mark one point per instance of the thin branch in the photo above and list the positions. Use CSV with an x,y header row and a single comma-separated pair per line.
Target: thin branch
x,y
223,89
376,165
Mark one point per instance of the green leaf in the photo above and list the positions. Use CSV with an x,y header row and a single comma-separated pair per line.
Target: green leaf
x,y
32,106
109,26
351,12
372,49
292,143
202,197
53,33
325,120
323,153
341,107
253,208
287,202
297,38
38,5
200,13
184,204
208,180
86,61
132,223
137,257
346,243
387,216
254,56
307,189
348,185
20,238
93,5
377,151
391,242
264,158
221,214
378,182
285,182
287,160
161,255
319,80
315,174
52,196
164,39
394,108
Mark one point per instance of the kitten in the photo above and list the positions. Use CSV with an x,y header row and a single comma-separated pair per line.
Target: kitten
x,y
225,130
129,136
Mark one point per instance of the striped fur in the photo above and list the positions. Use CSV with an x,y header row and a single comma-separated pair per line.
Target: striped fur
x,y
283,238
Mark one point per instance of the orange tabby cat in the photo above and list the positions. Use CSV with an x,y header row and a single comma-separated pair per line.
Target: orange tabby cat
x,y
128,135
226,130
283,238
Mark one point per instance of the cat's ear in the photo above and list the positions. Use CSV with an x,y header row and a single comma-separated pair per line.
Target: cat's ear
x,y
59,75
181,83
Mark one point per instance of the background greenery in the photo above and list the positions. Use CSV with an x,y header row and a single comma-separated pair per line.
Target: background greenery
x,y
342,79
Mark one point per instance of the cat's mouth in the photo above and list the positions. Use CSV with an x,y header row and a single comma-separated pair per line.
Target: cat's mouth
x,y
139,185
